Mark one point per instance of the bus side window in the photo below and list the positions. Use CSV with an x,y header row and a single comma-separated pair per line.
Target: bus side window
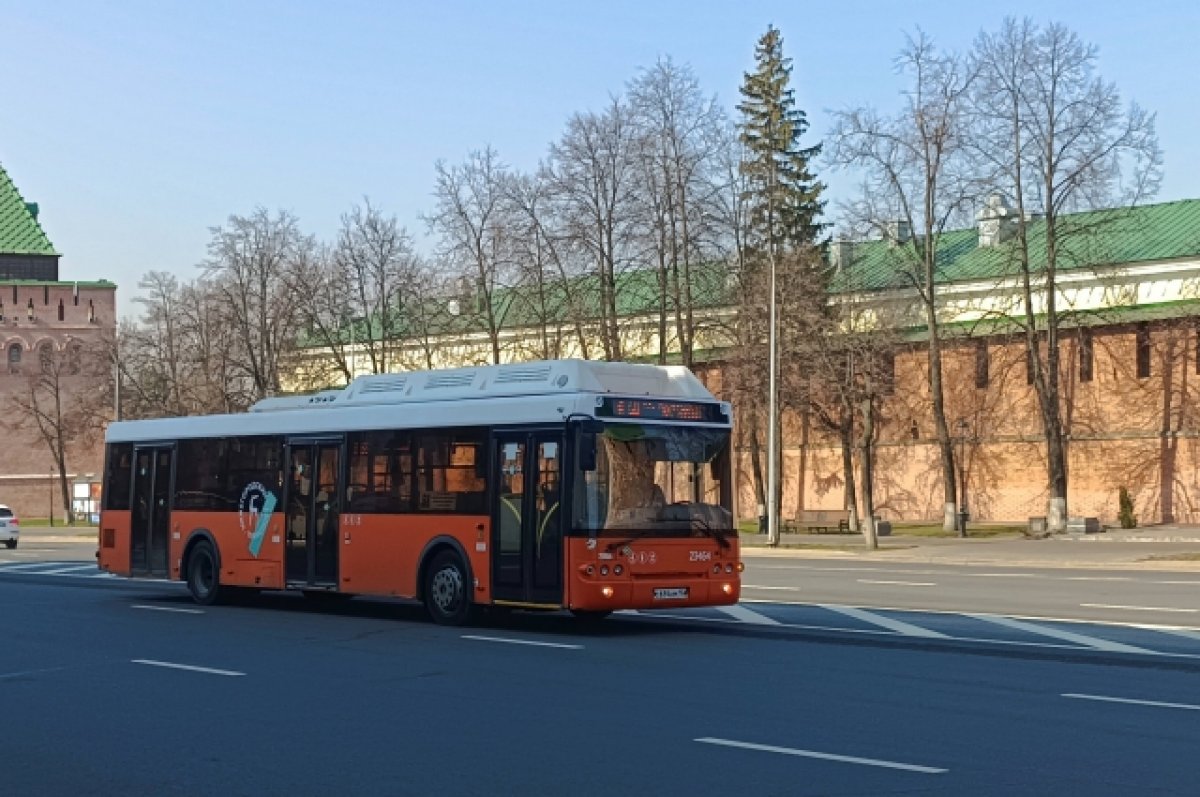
x,y
119,478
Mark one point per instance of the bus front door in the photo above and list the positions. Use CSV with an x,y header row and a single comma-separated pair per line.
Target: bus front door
x,y
151,517
313,506
527,519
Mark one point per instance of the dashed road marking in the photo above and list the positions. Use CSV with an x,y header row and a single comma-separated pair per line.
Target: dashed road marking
x,y
842,759
1131,701
1137,608
189,667
508,641
176,609
898,583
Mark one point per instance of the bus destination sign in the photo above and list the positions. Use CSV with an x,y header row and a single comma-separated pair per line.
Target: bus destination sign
x,y
658,410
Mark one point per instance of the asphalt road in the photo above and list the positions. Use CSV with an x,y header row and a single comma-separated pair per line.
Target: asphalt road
x,y
115,687
1114,596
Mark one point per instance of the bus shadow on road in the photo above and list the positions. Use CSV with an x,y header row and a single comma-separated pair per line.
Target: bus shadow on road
x,y
557,623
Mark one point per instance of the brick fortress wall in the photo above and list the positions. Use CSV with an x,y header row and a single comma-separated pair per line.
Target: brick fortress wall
x,y
63,314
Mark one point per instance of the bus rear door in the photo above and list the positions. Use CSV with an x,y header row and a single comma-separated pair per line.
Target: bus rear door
x,y
527,518
151,510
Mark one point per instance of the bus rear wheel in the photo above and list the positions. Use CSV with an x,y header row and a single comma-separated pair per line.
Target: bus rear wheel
x,y
447,598
203,576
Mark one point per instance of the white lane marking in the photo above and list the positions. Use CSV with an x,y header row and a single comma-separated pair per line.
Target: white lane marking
x,y
521,642
747,615
62,570
1001,575
764,586
30,672
24,566
1183,632
1192,583
1131,701
844,759
1068,636
1138,608
1098,578
188,667
898,583
166,609
899,626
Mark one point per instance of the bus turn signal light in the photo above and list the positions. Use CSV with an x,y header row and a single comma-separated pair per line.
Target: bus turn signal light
x,y
741,567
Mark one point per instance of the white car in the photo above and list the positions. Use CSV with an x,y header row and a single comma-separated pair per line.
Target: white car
x,y
10,527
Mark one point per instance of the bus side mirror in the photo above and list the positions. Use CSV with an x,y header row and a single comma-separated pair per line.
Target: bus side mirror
x,y
587,451
586,432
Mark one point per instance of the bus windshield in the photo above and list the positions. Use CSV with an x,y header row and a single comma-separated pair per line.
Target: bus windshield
x,y
652,480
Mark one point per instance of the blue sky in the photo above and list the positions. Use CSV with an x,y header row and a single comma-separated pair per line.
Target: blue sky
x,y
139,124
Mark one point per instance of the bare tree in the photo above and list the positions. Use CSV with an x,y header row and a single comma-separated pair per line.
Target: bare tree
x,y
250,264
919,178
354,296
470,222
69,398
1057,139
678,135
548,296
592,174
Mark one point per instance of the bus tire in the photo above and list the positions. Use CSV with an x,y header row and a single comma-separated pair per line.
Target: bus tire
x,y
203,575
447,598
590,615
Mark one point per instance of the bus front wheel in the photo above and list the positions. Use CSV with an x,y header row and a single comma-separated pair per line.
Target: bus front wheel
x,y
447,598
203,576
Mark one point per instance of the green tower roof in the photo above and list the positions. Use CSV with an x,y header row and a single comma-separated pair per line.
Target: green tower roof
x,y
20,232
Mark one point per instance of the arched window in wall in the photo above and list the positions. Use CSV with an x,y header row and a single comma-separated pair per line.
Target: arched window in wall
x,y
74,357
46,356
14,358
61,310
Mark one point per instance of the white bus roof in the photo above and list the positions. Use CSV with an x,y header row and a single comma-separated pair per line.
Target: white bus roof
x,y
546,391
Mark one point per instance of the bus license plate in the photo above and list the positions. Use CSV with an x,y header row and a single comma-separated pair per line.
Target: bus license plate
x,y
672,594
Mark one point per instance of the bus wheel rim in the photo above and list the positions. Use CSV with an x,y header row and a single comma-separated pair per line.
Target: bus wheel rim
x,y
204,576
447,589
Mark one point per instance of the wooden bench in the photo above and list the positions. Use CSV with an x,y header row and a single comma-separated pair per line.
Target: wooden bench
x,y
819,521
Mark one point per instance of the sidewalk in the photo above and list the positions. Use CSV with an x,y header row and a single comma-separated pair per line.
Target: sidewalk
x,y
1148,548
35,534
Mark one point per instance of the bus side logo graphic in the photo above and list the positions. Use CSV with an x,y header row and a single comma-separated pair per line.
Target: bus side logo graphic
x,y
254,514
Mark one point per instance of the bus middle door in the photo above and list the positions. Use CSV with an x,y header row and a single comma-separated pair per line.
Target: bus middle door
x,y
313,509
527,519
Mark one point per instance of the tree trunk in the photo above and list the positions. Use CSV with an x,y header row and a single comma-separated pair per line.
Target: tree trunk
x,y
760,492
845,433
867,463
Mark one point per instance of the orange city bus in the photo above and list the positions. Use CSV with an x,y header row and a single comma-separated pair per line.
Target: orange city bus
x,y
563,484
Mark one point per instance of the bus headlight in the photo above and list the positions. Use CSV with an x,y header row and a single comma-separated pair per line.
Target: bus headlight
x,y
728,588
604,570
607,592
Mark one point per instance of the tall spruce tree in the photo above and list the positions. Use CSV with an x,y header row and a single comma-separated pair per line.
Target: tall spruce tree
x,y
783,195
784,204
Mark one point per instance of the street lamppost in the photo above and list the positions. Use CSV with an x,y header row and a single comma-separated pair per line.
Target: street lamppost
x,y
964,429
51,496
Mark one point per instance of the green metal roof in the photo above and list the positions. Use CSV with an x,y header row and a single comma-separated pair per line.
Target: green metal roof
x,y
1159,232
1164,231
20,232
